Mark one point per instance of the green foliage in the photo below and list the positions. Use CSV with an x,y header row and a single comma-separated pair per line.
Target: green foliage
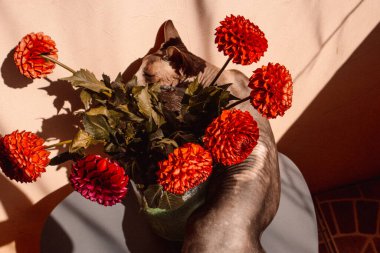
x,y
97,126
85,79
82,140
86,99
200,105
137,130
156,197
169,219
148,104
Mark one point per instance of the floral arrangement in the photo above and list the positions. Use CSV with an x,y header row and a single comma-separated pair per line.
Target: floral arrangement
x,y
166,153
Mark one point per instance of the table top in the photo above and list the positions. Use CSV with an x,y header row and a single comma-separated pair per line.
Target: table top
x,y
78,225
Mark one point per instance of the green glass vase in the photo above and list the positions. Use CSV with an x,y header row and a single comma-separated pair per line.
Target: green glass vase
x,y
170,224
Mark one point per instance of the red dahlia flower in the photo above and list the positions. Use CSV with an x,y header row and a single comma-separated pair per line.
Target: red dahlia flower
x,y
240,40
272,90
185,168
23,156
99,179
27,55
231,137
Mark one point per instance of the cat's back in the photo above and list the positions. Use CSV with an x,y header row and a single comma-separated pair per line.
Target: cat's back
x,y
239,80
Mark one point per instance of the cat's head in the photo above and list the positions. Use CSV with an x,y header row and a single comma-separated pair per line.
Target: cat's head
x,y
171,64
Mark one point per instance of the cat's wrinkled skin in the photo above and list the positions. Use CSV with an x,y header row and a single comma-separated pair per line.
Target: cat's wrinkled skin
x,y
244,198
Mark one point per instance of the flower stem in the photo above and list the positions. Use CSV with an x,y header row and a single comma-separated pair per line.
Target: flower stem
x,y
59,144
237,102
220,72
46,57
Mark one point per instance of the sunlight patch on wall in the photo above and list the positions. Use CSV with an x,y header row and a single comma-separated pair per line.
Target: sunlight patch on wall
x,y
332,55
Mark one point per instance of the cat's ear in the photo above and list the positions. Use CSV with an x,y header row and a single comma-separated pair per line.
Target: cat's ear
x,y
169,31
174,54
184,61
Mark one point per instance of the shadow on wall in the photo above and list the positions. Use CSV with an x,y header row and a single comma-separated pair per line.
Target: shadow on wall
x,y
61,126
60,242
64,124
11,74
25,220
336,139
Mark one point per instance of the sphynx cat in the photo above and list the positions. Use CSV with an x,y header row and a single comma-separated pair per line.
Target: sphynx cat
x,y
243,200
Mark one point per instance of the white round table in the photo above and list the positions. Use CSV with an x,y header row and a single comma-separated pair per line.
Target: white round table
x,y
81,226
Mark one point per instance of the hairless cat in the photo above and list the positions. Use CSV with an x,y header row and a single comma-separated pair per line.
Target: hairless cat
x,y
243,199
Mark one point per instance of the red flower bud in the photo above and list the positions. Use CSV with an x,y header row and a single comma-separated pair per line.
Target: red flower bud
x,y
185,168
231,137
99,179
272,90
23,156
28,52
240,40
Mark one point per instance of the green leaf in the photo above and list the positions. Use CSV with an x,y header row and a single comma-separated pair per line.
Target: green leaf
x,y
224,99
86,99
153,194
209,100
132,82
106,80
112,116
170,223
85,79
64,157
118,83
154,89
131,116
225,86
97,126
150,126
157,135
129,133
164,144
144,103
156,197
169,141
120,94
184,137
101,110
232,97
143,100
170,201
193,87
82,140
113,148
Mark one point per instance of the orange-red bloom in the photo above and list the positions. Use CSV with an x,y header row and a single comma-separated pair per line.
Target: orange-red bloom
x,y
231,137
240,40
272,90
27,55
23,156
99,179
185,168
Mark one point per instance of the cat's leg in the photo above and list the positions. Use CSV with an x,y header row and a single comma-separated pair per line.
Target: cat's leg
x,y
244,198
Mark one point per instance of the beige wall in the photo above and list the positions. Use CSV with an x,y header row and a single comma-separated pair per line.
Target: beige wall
x,y
324,44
